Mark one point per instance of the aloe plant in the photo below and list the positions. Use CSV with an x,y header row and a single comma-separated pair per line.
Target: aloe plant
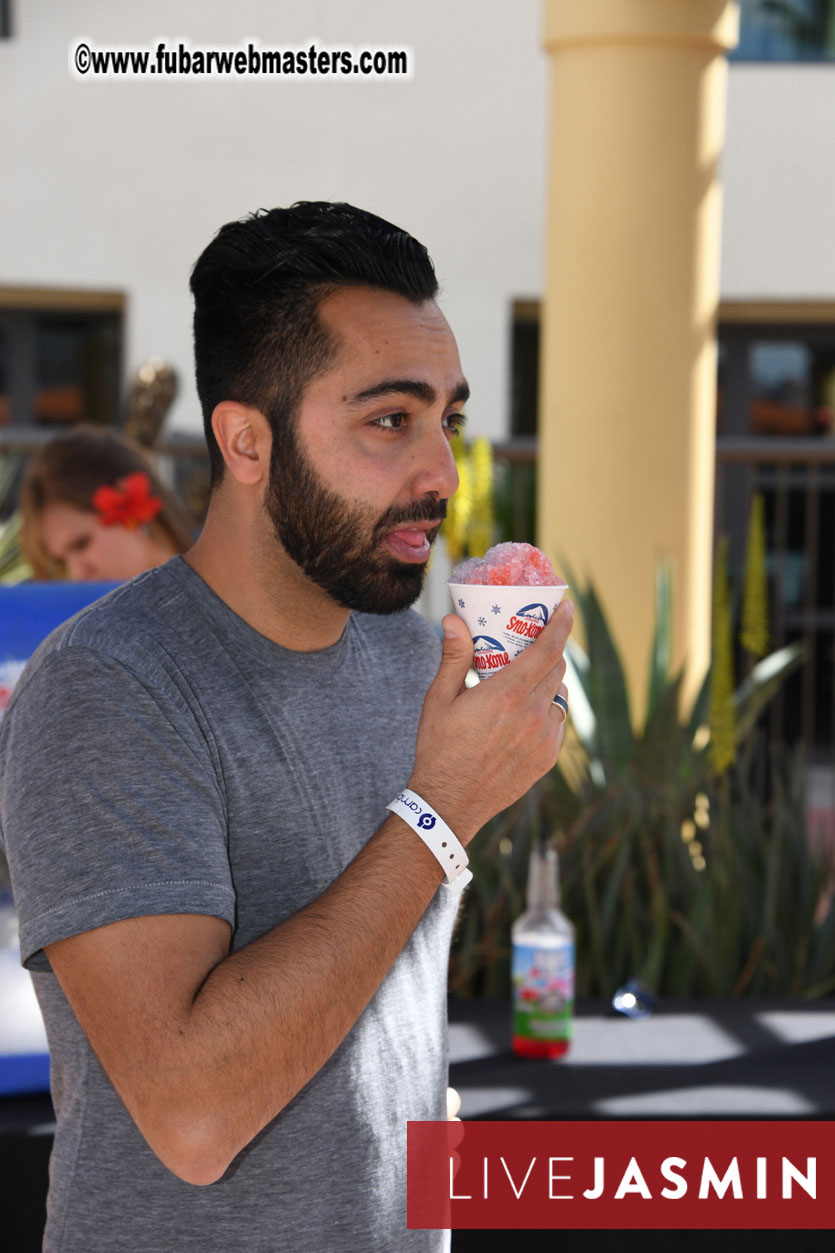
x,y
693,881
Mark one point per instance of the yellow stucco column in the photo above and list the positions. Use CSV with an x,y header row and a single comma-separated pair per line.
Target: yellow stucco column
x,y
628,346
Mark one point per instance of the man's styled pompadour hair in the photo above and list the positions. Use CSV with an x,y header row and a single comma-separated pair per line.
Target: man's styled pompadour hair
x,y
257,289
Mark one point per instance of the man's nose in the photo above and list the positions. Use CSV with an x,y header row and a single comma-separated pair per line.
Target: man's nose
x,y
436,472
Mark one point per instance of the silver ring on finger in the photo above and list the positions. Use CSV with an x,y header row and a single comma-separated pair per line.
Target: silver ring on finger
x,y
561,703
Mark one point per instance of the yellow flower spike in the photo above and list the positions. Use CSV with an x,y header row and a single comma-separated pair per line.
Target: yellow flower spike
x,y
722,716
753,633
459,507
480,534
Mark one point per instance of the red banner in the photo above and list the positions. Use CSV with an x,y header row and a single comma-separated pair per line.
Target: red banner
x,y
541,1175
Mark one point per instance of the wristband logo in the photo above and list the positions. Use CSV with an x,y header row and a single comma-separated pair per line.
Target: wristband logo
x,y
425,820
408,803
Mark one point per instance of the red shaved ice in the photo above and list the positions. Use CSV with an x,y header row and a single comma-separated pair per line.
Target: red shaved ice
x,y
508,565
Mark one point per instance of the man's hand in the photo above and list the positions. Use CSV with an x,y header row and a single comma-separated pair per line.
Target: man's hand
x,y
479,749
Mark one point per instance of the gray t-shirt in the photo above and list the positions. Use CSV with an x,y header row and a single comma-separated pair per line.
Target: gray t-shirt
x,y
161,756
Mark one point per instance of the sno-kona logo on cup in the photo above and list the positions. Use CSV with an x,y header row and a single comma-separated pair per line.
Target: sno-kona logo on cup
x,y
528,621
488,654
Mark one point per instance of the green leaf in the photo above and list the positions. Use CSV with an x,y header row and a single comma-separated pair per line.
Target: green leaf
x,y
577,678
606,688
659,749
615,877
659,661
561,803
754,693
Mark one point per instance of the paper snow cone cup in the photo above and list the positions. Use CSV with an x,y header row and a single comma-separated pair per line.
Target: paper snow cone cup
x,y
503,621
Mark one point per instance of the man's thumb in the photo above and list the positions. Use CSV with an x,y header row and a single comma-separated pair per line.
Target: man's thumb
x,y
457,656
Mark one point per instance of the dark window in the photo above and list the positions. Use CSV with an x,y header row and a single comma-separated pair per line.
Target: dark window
x,y
524,368
59,366
777,380
786,30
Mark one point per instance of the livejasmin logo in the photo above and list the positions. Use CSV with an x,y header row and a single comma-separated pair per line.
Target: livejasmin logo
x,y
553,1175
608,1173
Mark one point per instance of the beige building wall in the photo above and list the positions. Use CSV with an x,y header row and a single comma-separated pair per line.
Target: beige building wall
x,y
120,184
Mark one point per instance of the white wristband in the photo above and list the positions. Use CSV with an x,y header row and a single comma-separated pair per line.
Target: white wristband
x,y
436,835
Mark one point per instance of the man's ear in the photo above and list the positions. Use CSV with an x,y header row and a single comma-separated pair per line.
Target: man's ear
x,y
245,440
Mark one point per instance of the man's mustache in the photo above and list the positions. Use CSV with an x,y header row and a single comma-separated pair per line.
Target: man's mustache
x,y
426,510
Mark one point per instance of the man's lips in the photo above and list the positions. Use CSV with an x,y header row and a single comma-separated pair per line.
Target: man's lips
x,y
413,541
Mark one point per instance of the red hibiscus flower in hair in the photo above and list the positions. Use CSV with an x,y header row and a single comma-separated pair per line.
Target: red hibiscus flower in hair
x,y
128,502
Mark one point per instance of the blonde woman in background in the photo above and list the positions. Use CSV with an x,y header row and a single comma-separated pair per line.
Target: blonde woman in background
x,y
93,509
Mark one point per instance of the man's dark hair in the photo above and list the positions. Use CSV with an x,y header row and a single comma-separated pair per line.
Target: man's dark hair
x,y
257,289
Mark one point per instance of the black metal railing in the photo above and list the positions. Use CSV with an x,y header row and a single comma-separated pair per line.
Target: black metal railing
x,y
796,478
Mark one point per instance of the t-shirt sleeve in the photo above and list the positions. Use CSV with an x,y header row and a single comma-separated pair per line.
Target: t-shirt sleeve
x,y
111,805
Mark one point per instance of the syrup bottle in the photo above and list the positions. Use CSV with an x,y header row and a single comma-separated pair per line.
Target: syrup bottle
x,y
543,963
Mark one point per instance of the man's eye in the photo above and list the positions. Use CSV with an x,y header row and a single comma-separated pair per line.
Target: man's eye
x,y
456,422
390,421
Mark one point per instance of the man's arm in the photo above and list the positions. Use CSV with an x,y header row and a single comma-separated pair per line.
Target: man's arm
x,y
206,1047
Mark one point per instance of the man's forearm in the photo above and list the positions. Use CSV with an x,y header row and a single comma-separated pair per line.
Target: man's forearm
x,y
265,1019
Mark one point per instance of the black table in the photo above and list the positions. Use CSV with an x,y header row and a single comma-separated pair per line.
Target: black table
x,y
691,1059
26,1127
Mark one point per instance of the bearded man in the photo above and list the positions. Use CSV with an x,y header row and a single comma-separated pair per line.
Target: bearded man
x,y
239,949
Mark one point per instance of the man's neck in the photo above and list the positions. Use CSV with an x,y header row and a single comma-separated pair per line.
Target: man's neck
x,y
253,575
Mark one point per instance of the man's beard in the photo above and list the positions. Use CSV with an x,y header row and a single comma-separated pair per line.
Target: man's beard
x,y
339,545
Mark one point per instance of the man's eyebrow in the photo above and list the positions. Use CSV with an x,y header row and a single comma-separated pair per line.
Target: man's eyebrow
x,y
408,387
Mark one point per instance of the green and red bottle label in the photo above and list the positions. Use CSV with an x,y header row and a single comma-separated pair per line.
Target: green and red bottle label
x,y
543,997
